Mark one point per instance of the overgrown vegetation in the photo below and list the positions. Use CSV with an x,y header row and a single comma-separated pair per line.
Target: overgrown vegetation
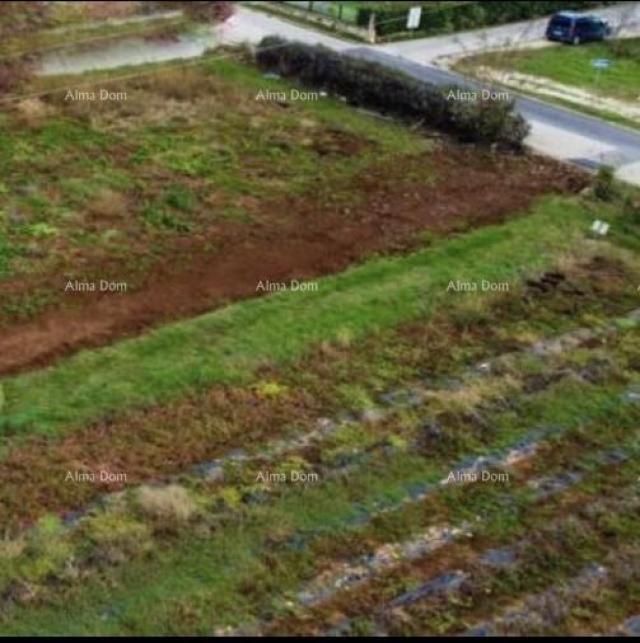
x,y
222,550
605,185
178,162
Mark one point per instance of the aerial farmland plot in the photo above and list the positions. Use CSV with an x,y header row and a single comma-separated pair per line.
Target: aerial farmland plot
x,y
292,344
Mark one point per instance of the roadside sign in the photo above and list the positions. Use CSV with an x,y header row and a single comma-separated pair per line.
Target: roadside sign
x,y
601,63
413,17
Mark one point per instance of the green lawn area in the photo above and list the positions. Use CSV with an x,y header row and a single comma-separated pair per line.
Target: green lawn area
x,y
229,344
572,66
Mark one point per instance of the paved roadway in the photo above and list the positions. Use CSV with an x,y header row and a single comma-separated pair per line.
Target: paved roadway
x,y
624,18
555,131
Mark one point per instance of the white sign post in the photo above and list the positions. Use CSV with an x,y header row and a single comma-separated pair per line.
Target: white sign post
x,y
413,17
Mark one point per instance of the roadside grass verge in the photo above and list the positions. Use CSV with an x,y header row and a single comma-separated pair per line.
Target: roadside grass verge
x,y
572,66
228,345
568,104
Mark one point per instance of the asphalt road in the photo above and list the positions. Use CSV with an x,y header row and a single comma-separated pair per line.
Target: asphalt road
x,y
555,131
616,146
624,18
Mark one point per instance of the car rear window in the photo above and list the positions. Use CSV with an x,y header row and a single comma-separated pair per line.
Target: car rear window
x,y
560,21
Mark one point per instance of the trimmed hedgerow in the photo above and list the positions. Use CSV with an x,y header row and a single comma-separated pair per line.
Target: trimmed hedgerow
x,y
369,84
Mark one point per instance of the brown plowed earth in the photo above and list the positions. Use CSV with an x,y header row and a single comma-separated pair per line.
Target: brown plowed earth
x,y
472,188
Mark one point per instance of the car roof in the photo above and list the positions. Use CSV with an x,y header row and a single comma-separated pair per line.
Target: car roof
x,y
576,14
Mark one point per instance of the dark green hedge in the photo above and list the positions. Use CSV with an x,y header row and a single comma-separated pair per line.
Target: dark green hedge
x,y
458,17
377,87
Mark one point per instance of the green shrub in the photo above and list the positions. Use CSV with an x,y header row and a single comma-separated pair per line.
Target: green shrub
x,y
369,84
605,187
181,198
115,537
46,551
160,216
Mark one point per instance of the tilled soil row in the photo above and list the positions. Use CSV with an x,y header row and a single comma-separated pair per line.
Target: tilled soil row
x,y
523,449
318,239
353,585
343,577
542,613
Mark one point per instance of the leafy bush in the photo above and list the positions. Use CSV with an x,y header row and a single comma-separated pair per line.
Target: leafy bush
x,y
161,217
369,84
605,186
180,197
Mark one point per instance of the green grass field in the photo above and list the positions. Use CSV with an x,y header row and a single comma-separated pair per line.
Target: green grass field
x,y
573,66
378,387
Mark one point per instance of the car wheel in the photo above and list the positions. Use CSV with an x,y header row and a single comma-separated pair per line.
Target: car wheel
x,y
576,40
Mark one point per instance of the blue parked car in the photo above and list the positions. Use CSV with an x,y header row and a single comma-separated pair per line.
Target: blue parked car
x,y
575,28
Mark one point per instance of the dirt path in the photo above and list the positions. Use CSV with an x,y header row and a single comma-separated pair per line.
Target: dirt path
x,y
319,239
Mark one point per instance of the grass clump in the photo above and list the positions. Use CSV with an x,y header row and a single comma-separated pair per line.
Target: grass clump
x,y
46,551
170,507
605,185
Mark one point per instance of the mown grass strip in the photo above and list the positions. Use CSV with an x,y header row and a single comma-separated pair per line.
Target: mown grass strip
x,y
226,346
